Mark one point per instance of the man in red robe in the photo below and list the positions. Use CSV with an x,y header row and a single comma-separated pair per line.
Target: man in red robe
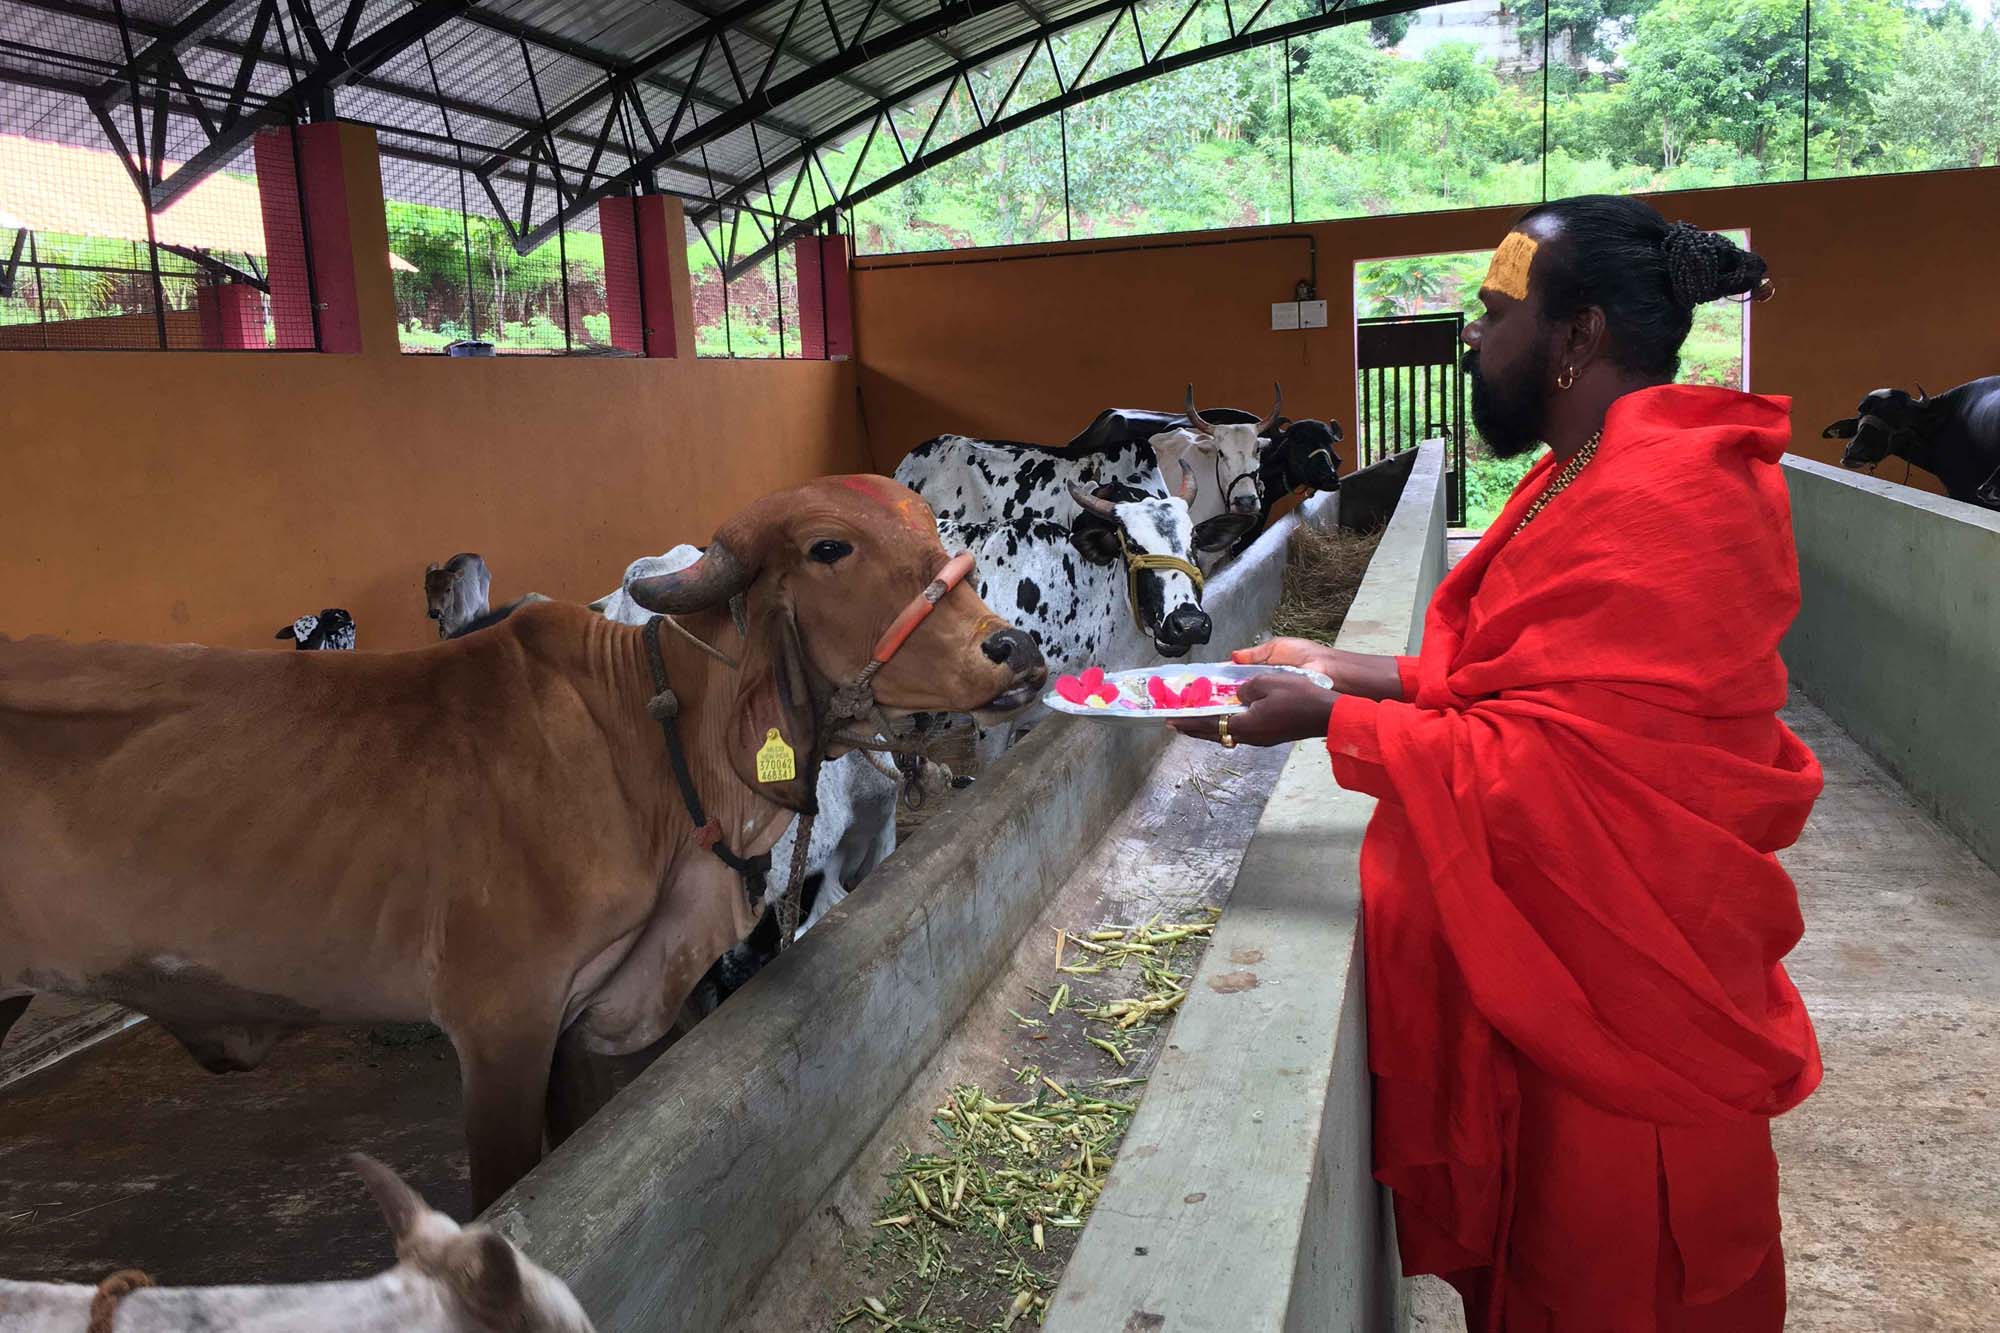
x,y
1579,1025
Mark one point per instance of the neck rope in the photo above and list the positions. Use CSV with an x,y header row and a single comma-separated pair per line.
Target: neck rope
x,y
850,703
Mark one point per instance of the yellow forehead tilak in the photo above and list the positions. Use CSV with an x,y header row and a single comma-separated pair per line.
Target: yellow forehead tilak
x,y
1508,273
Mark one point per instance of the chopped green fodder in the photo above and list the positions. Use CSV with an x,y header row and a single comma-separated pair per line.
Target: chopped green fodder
x,y
973,1232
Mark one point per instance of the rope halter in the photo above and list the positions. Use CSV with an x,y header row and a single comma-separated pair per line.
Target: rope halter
x,y
1139,561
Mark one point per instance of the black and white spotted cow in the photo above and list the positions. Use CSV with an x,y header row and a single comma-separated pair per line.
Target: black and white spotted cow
x,y
1131,448
331,629
1097,572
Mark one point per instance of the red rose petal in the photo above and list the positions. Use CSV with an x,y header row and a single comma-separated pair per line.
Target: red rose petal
x,y
1072,689
1199,693
1163,695
1092,677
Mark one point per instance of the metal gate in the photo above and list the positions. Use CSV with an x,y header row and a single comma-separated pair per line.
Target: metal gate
x,y
1411,389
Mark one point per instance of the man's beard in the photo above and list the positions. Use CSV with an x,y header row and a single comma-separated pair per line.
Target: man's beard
x,y
1512,418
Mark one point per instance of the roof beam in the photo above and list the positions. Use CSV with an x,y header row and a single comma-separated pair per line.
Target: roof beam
x,y
167,41
695,38
926,157
363,57
917,30
607,61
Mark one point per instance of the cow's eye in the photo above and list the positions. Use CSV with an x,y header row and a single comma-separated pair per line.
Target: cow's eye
x,y
829,552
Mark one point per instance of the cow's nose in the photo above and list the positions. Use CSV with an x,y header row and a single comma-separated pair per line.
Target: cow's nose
x,y
1015,649
1186,627
1246,504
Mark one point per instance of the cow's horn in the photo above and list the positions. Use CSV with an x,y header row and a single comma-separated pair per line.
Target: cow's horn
x,y
1270,423
1093,503
1922,397
707,583
1195,417
1185,491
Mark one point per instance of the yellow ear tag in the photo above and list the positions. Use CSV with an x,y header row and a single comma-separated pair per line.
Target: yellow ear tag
x,y
1508,273
776,762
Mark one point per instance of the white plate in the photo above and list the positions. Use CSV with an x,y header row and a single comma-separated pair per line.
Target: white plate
x,y
1131,684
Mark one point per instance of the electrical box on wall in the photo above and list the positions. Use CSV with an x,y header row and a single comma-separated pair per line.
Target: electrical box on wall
x,y
1298,314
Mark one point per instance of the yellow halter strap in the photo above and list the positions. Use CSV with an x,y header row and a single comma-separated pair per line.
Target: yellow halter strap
x,y
1135,561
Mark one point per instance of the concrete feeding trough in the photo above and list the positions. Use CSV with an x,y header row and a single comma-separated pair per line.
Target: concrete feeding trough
x,y
670,1208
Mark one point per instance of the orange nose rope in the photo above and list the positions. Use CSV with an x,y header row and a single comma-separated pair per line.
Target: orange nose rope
x,y
955,572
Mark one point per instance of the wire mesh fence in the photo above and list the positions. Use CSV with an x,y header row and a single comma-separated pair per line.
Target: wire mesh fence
x,y
753,315
461,279
87,262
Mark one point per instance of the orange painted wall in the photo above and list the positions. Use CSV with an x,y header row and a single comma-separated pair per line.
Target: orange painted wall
x,y
211,497
1882,280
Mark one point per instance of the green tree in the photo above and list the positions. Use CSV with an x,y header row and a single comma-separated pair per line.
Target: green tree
x,y
1728,70
1942,106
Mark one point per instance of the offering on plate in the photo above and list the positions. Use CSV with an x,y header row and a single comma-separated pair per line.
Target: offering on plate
x,y
1142,693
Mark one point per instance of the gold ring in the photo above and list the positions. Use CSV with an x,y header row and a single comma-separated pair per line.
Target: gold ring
x,y
1222,733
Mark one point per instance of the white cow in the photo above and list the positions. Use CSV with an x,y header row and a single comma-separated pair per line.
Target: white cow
x,y
447,1279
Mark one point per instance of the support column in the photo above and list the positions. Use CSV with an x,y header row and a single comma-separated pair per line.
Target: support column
x,y
646,280
232,317
326,237
826,301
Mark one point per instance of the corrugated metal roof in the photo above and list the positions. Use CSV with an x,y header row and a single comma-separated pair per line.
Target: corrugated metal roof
x,y
613,76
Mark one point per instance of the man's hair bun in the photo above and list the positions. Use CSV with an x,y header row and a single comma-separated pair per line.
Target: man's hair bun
x,y
1705,266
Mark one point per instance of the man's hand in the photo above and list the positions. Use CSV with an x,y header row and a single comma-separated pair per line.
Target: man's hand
x,y
1365,674
1290,652
1278,708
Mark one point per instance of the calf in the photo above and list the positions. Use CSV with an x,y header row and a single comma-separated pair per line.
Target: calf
x,y
1954,436
447,1279
455,595
455,592
330,630
543,891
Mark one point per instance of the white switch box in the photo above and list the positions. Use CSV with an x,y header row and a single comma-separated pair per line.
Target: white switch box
x,y
1285,314
1312,314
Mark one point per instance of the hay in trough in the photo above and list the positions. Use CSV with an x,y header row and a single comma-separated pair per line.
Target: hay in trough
x,y
1323,570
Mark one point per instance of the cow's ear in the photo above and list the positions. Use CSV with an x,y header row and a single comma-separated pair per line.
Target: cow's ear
x,y
774,740
1094,539
1842,429
285,633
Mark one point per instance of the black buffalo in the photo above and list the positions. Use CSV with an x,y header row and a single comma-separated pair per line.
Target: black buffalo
x,y
1954,435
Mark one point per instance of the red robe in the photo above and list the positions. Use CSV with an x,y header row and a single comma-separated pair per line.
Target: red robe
x,y
1573,914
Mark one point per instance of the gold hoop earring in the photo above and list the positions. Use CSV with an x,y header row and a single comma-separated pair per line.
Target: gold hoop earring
x,y
1567,380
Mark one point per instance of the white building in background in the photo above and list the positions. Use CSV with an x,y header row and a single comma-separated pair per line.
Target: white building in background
x,y
1495,30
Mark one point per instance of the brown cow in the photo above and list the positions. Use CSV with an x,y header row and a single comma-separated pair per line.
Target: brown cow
x,y
486,833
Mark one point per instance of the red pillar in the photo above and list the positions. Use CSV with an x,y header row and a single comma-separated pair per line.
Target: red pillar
x,y
232,317
646,278
316,186
826,301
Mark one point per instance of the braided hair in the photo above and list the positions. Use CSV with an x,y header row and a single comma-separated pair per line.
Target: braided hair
x,y
1647,275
